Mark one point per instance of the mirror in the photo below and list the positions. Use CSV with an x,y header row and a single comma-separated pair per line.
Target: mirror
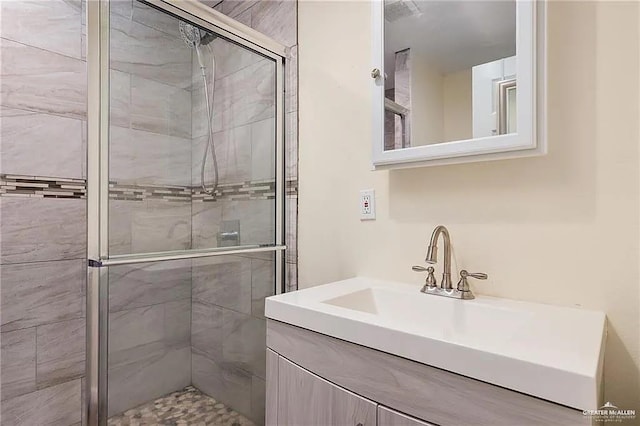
x,y
457,81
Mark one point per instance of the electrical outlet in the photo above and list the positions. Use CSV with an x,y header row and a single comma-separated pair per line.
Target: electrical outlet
x,y
367,204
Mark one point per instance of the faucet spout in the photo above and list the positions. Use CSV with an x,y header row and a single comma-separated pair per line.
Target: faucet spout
x,y
432,254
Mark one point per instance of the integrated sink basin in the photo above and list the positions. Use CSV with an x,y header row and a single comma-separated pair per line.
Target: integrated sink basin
x,y
550,352
438,319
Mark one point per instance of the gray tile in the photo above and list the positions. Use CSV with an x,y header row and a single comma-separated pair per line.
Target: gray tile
x,y
258,399
148,226
148,372
245,96
123,8
291,95
38,229
25,136
134,286
277,19
233,8
257,219
43,292
206,329
52,25
291,231
57,405
244,18
229,58
134,328
18,368
38,80
244,342
160,108
153,18
121,214
233,154
205,223
263,150
162,226
262,284
177,323
146,52
291,277
225,383
60,352
120,99
140,157
215,4
223,282
149,353
199,110
291,145
84,150
83,398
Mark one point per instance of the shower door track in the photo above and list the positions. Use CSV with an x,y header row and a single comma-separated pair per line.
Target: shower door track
x,y
98,257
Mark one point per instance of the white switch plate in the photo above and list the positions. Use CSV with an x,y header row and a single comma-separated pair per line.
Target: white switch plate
x,y
367,204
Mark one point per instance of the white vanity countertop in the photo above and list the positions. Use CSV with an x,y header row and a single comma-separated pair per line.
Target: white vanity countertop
x,y
547,351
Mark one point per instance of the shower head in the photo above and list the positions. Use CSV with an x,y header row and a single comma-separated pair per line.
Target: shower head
x,y
192,35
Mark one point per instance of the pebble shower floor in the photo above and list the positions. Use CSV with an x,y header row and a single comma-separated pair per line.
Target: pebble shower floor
x,y
186,407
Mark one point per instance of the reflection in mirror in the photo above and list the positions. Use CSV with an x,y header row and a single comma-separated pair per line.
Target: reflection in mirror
x,y
450,71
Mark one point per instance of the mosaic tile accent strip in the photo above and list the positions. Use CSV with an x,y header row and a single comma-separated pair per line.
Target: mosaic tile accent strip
x,y
149,192
186,407
42,187
49,187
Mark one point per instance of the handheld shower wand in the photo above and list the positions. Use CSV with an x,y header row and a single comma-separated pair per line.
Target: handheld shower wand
x,y
193,39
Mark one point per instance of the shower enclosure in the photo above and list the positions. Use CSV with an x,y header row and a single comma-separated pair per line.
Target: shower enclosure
x,y
185,200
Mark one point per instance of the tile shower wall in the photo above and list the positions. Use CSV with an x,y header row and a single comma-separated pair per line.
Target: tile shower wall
x,y
42,239
149,205
278,19
43,228
228,324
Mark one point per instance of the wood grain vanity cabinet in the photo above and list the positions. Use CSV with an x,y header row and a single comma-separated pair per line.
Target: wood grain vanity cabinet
x,y
318,380
388,417
306,399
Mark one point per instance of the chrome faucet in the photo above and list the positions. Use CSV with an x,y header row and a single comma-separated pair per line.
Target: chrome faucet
x,y
462,290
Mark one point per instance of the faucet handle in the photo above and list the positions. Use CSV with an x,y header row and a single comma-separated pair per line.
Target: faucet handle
x,y
476,275
463,285
430,282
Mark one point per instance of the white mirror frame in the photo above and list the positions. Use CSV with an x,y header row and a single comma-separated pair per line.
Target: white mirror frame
x,y
530,140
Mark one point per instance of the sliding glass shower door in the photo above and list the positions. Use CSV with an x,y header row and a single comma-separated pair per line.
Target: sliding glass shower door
x,y
185,213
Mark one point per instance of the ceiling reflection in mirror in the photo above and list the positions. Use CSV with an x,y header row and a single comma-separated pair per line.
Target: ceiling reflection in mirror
x,y
450,71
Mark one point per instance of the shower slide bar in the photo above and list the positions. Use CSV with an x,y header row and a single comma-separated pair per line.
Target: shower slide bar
x,y
128,259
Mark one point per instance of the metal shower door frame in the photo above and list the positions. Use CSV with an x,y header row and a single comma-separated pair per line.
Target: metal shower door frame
x,y
98,257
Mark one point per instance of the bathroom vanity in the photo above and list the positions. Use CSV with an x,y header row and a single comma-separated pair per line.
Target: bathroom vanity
x,y
366,352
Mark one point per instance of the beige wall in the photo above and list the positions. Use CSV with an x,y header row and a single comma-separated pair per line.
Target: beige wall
x,y
457,106
427,112
560,229
441,105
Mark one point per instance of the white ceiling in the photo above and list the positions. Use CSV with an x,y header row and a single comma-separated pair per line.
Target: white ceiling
x,y
455,35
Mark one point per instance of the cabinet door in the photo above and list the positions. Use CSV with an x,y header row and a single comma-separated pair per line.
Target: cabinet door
x,y
388,417
306,399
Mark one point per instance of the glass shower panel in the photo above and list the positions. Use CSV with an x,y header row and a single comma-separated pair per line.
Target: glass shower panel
x,y
187,340
192,136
